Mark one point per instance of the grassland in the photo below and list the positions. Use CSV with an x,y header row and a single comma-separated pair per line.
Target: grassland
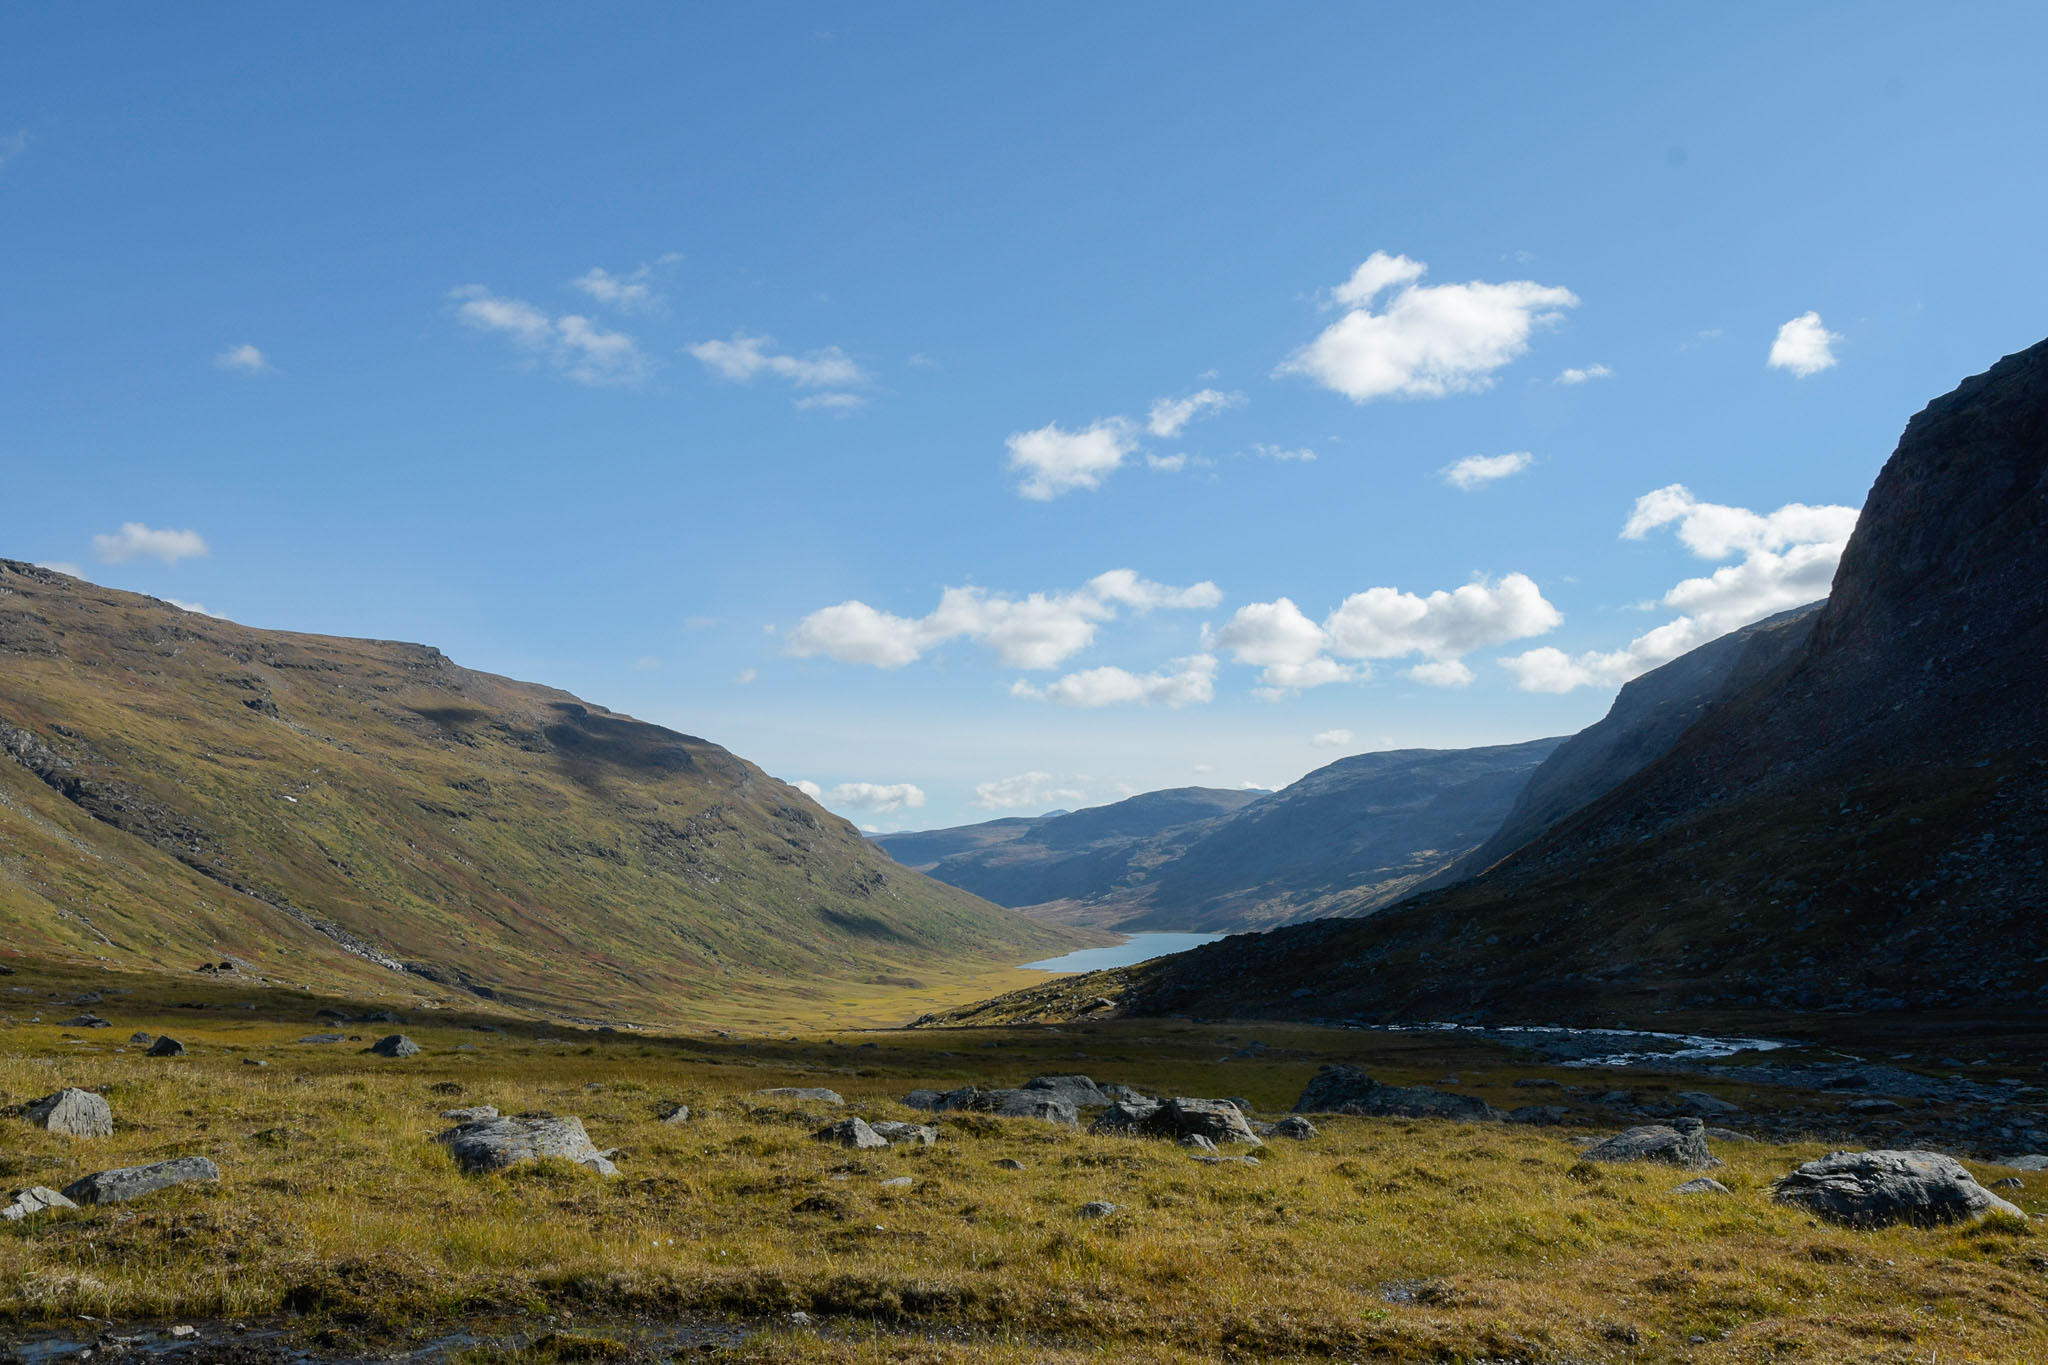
x,y
339,1221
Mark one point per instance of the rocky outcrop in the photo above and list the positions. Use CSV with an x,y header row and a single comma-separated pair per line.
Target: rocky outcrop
x,y
1215,1121
1348,1090
76,1113
494,1144
1683,1142
1879,1188
132,1182
853,1133
814,1094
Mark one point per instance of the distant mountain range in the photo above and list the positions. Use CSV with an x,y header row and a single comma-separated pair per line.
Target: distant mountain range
x,y
1852,813
1345,840
176,789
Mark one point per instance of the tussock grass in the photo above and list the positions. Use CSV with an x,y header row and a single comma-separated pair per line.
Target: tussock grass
x,y
1382,1239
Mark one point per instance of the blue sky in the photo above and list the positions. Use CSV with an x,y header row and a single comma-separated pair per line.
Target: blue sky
x,y
749,370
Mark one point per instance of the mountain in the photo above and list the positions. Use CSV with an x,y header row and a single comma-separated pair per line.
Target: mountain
x,y
1862,828
1646,720
176,788
1345,840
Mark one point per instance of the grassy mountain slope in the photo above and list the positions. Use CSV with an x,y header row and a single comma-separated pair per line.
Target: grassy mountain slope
x,y
175,788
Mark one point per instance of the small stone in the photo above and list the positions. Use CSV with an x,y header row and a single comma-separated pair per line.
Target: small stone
x,y
1683,1143
183,1331
1296,1127
86,1021
901,1182
394,1045
254,1061
853,1133
74,1112
679,1113
2011,1182
323,1038
1098,1208
140,1039
167,1047
130,1182
1198,1142
33,1200
1007,1163
817,1094
1703,1185
1225,1160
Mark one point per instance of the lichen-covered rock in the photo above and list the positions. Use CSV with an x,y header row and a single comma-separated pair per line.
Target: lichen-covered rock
x,y
76,1113
678,1113
394,1045
1296,1127
853,1133
1125,1118
1877,1189
1097,1208
33,1200
899,1134
816,1094
1219,1121
132,1182
927,1100
1010,1104
1079,1091
1706,1184
1682,1143
493,1144
1348,1090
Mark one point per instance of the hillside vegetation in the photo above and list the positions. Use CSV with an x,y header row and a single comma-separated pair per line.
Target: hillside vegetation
x,y
178,790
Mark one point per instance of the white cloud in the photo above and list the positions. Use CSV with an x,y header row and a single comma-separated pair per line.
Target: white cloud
x,y
743,358
1266,452
1167,464
1788,558
1384,623
1331,739
196,608
12,147
1025,789
1428,340
1054,460
134,539
1040,630
1192,681
1804,346
872,796
1576,376
630,292
745,676
1170,415
243,359
63,566
570,344
831,402
1476,471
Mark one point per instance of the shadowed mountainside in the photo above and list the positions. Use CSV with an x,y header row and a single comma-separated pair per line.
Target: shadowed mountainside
x,y
176,788
1861,829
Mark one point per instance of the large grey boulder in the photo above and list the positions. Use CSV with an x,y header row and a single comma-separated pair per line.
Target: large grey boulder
x,y
1347,1090
78,1113
167,1047
1010,1104
33,1200
897,1134
1125,1118
1219,1121
493,1144
86,1021
927,1100
1296,1127
394,1045
817,1094
1877,1189
1079,1091
131,1182
853,1133
1683,1143
476,1113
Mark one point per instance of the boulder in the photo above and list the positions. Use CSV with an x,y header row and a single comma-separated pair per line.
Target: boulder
x,y
1296,1127
1683,1143
927,1100
140,1039
86,1021
1347,1090
1097,1208
816,1094
476,1113
2010,1182
1220,1121
325,1038
1116,1090
254,1061
1877,1189
1199,1143
1704,1185
131,1182
167,1047
679,1113
493,1144
853,1133
1010,1104
33,1200
905,1134
1079,1091
394,1045
1007,1163
78,1113
1125,1118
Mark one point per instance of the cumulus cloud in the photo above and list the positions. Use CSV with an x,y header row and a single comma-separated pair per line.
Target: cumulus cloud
x,y
135,539
1296,652
1166,464
1040,630
1331,739
571,345
1427,340
1301,454
881,798
831,402
1804,346
1575,376
1477,471
243,359
632,292
744,358
1054,460
1787,558
1188,682
1170,415
1025,789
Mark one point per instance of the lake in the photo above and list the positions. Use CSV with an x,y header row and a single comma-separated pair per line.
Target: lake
x,y
1137,948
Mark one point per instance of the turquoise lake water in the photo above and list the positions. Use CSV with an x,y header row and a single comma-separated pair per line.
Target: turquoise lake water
x,y
1137,948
